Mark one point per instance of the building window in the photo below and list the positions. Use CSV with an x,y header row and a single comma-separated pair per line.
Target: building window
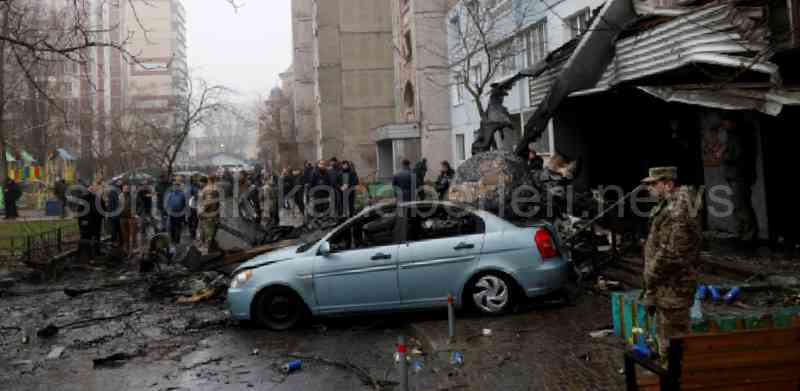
x,y
544,145
408,99
461,147
458,90
536,42
578,23
476,74
503,58
409,46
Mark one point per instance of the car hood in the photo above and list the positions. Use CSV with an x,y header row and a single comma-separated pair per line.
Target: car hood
x,y
282,255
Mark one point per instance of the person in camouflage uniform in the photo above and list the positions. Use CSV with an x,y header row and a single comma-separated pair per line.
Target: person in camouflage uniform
x,y
209,208
671,252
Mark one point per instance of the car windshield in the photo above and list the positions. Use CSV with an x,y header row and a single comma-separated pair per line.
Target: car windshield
x,y
313,239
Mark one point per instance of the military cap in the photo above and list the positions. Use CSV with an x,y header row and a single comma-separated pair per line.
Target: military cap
x,y
661,173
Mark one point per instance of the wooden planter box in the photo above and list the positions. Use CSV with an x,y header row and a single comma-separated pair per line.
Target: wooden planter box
x,y
628,312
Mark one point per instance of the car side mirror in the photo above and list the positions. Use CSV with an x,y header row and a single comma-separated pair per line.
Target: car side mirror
x,y
324,249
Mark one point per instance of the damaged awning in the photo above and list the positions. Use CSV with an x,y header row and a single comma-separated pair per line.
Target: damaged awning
x,y
713,45
766,101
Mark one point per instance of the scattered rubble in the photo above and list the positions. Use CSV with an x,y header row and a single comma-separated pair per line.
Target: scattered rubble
x,y
56,353
51,329
115,360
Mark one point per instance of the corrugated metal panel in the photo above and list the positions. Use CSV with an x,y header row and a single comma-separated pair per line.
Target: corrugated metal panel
x,y
719,35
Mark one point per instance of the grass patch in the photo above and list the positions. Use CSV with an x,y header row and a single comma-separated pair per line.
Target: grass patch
x,y
13,233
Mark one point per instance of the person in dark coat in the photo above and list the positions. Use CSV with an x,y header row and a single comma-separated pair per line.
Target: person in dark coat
x,y
420,171
287,184
443,181
162,187
299,190
404,183
60,191
308,176
113,208
348,180
144,204
85,204
334,175
535,162
11,194
321,191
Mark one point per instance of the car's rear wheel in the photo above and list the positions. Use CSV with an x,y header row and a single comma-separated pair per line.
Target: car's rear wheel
x,y
278,308
491,294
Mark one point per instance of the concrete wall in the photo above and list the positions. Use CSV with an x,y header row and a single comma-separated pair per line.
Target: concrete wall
x,y
354,74
304,75
429,33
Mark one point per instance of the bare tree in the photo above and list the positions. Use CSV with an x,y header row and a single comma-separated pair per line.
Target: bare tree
x,y
482,43
235,128
162,136
40,36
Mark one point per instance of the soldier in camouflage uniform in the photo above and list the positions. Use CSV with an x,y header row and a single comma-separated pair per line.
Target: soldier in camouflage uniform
x,y
671,252
209,211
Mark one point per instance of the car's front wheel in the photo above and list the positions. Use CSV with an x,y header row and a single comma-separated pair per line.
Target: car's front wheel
x,y
278,308
491,294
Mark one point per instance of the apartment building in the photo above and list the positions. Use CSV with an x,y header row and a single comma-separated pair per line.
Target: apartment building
x,y
529,30
422,113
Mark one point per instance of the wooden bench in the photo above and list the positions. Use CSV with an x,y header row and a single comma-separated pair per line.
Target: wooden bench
x,y
763,360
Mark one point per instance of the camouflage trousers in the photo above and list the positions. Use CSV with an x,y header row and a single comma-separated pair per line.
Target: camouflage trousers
x,y
208,233
670,322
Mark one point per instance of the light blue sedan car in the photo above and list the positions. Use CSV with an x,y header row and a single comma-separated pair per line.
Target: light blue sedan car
x,y
398,257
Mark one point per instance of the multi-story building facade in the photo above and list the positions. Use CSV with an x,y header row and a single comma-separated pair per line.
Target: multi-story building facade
x,y
422,117
354,70
303,80
160,72
370,82
531,29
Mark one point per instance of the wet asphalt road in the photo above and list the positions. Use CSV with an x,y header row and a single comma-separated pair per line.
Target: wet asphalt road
x,y
162,345
171,347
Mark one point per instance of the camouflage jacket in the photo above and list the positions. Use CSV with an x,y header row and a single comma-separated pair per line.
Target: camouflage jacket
x,y
672,249
209,205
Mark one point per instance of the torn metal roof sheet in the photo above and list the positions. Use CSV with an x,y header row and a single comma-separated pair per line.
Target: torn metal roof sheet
x,y
713,37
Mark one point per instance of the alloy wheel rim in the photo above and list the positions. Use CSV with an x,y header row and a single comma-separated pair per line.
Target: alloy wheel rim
x,y
490,294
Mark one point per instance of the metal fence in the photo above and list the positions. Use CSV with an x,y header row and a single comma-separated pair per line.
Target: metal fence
x,y
32,247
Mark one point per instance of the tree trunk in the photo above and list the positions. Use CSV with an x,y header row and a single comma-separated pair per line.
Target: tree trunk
x,y
3,146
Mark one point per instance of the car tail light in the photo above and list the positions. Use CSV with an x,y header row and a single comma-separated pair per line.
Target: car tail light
x,y
544,242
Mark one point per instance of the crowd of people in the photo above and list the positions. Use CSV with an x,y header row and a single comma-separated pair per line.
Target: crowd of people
x,y
130,212
172,205
409,184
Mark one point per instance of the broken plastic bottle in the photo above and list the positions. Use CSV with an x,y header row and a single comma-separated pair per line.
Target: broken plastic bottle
x,y
697,310
714,293
731,296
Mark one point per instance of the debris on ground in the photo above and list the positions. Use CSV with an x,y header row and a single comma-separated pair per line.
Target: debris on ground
x,y
56,353
362,374
73,292
51,329
115,360
457,359
601,333
605,285
292,366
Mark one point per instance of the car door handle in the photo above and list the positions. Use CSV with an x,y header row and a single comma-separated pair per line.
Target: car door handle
x,y
464,246
381,257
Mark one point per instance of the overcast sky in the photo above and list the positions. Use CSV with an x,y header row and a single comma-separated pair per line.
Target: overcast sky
x,y
244,50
